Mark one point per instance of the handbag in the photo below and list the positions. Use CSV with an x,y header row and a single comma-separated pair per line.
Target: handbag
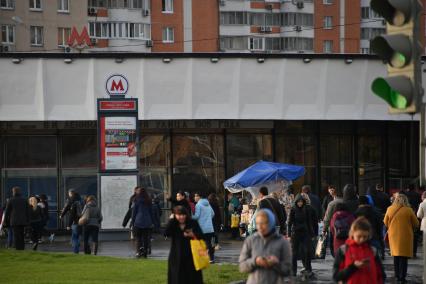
x,y
320,250
200,254
386,237
84,219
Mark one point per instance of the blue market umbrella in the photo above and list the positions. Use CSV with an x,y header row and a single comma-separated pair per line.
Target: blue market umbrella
x,y
262,173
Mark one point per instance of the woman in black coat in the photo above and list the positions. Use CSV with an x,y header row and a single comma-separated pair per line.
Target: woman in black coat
x,y
181,229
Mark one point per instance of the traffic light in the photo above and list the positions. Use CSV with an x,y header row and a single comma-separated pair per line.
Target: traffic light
x,y
401,49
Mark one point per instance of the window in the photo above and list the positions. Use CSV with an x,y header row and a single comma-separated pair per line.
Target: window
x,y
369,33
167,6
79,151
365,12
63,36
141,31
237,43
63,5
198,162
31,152
328,46
36,35
298,19
97,4
7,4
168,35
328,22
135,4
299,150
298,44
8,34
233,18
327,2
256,43
273,43
365,50
336,159
35,4
243,150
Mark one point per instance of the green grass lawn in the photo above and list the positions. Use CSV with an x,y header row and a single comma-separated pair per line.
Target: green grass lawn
x,y
41,267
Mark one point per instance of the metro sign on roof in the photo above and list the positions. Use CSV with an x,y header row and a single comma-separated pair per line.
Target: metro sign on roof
x,y
77,40
117,85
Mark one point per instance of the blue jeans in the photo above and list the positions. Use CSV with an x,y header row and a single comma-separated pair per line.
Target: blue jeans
x,y
75,238
9,237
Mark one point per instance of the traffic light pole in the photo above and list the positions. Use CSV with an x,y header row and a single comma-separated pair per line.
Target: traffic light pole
x,y
422,144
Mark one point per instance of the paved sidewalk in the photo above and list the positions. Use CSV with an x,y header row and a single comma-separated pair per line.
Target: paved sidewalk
x,y
229,253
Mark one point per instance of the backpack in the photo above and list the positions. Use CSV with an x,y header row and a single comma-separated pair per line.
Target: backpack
x,y
342,224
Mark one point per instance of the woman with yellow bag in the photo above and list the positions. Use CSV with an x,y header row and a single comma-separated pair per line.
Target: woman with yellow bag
x,y
184,233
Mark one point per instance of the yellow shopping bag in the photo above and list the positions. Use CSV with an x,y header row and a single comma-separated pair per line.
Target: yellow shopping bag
x,y
235,220
200,254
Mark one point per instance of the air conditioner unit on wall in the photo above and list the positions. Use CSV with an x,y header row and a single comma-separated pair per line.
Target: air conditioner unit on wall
x,y
149,43
265,29
298,28
92,12
6,48
145,13
300,5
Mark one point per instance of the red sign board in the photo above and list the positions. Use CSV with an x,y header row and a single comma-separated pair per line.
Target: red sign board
x,y
117,105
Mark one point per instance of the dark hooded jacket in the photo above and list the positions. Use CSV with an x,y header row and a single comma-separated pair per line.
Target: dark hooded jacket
x,y
302,220
142,215
374,217
74,207
350,198
381,200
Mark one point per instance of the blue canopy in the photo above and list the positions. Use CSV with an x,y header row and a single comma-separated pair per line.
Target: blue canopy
x,y
262,173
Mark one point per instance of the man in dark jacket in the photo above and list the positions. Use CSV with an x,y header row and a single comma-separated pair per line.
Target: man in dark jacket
x,y
272,204
381,199
74,207
301,228
331,195
17,216
315,201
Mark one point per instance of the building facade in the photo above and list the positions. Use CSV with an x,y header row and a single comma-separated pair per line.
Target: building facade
x,y
201,121
39,25
268,26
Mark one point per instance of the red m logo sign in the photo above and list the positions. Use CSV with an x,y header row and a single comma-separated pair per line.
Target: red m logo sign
x,y
117,86
76,39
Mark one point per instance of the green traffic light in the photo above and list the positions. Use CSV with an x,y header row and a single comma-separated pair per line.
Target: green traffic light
x,y
398,60
395,99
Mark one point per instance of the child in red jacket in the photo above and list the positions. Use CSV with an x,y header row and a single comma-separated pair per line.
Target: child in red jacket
x,y
356,261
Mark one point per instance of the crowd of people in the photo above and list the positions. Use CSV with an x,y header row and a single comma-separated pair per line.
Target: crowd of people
x,y
21,216
278,229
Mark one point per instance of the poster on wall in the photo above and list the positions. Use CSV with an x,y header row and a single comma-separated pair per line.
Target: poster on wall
x,y
115,193
118,139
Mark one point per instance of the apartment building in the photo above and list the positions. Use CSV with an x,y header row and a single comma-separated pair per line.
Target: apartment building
x,y
39,25
303,26
271,26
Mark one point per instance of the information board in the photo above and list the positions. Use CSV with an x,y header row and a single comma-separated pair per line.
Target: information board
x,y
115,194
118,143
